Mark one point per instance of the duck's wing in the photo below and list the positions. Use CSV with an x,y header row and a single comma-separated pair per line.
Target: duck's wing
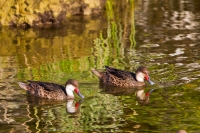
x,y
124,75
47,86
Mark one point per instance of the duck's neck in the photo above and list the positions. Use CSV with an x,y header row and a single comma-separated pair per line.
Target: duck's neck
x,y
69,90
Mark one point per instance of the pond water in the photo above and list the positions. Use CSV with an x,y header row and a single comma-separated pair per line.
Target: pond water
x,y
162,35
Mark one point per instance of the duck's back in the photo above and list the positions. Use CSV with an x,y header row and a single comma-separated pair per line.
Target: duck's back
x,y
46,90
120,78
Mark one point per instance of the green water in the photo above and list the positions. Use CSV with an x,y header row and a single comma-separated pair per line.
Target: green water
x,y
163,36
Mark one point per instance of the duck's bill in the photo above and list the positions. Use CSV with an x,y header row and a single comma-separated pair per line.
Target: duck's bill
x,y
80,95
151,82
78,92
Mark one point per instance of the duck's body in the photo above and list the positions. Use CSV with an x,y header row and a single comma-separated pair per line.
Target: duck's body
x,y
51,90
121,78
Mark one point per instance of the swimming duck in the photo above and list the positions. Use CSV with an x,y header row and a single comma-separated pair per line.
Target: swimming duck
x,y
52,90
121,78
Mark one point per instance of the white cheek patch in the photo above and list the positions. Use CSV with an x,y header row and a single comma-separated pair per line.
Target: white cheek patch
x,y
69,90
140,77
70,87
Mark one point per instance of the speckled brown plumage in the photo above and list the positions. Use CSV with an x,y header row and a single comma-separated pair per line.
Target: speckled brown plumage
x,y
47,90
120,78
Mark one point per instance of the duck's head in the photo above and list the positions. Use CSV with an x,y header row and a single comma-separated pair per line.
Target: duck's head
x,y
142,73
72,86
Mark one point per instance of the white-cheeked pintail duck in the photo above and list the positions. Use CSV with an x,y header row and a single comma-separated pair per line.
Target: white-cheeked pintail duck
x,y
52,90
121,78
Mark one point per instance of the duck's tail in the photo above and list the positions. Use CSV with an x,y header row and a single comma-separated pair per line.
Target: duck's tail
x,y
22,85
96,72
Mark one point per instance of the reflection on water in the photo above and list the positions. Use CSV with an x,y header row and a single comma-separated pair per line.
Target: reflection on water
x,y
164,36
74,109
142,97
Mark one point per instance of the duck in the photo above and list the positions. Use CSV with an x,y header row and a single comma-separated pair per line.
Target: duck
x,y
51,90
122,78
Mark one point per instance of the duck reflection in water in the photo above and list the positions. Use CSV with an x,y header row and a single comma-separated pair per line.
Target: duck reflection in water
x,y
72,108
142,96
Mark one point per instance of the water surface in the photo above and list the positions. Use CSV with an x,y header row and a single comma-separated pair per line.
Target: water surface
x,y
163,36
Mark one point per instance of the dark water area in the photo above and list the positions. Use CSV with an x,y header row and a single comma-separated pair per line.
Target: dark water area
x,y
162,35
